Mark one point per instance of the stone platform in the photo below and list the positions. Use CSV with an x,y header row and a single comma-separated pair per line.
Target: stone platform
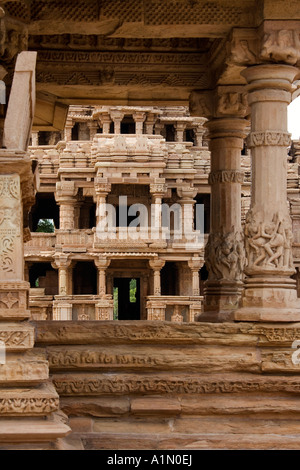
x,y
153,385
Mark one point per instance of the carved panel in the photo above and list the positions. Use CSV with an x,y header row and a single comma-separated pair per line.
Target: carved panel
x,y
226,176
225,256
10,228
269,243
178,12
281,46
86,10
279,138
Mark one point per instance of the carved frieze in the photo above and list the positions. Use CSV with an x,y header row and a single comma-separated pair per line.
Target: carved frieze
x,y
68,386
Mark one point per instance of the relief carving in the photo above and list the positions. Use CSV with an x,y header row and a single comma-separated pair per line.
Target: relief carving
x,y
225,256
226,176
232,104
256,139
269,244
281,46
240,52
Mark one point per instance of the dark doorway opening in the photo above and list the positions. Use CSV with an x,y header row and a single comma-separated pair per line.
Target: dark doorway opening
x,y
42,275
85,278
127,298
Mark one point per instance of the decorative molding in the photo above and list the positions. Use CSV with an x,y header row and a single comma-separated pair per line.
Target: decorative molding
x,y
68,386
28,406
276,138
226,176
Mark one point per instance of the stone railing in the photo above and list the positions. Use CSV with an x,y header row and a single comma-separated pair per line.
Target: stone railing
x,y
82,307
128,147
81,239
173,308
40,242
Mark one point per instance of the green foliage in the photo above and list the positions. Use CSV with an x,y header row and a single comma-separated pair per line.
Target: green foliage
x,y
45,226
132,294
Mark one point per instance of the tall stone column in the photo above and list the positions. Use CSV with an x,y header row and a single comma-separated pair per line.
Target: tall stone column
x,y
224,253
270,293
66,198
28,400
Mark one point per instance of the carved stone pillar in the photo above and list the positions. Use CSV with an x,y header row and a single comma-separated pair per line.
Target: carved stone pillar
x,y
224,253
93,126
62,263
187,202
102,189
65,196
157,191
150,121
68,130
156,265
105,121
195,264
270,293
34,139
139,118
117,117
102,264
180,128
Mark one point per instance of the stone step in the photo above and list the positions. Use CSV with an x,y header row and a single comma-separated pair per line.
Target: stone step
x,y
166,406
38,401
200,441
27,368
32,430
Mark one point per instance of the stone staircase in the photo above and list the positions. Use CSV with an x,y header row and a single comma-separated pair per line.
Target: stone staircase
x,y
153,385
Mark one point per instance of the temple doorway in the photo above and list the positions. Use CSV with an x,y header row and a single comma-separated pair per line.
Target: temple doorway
x,y
127,298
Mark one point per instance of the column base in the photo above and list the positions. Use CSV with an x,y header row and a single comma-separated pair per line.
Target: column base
x,y
269,299
221,299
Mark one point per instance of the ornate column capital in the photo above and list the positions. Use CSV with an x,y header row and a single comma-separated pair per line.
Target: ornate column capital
x,y
157,264
102,187
61,261
65,190
102,263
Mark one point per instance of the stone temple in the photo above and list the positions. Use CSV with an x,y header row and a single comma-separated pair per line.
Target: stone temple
x,y
149,225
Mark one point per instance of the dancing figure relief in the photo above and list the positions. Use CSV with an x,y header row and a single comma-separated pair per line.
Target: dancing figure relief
x,y
269,244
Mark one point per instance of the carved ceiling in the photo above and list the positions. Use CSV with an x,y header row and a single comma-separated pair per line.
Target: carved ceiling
x,y
135,52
